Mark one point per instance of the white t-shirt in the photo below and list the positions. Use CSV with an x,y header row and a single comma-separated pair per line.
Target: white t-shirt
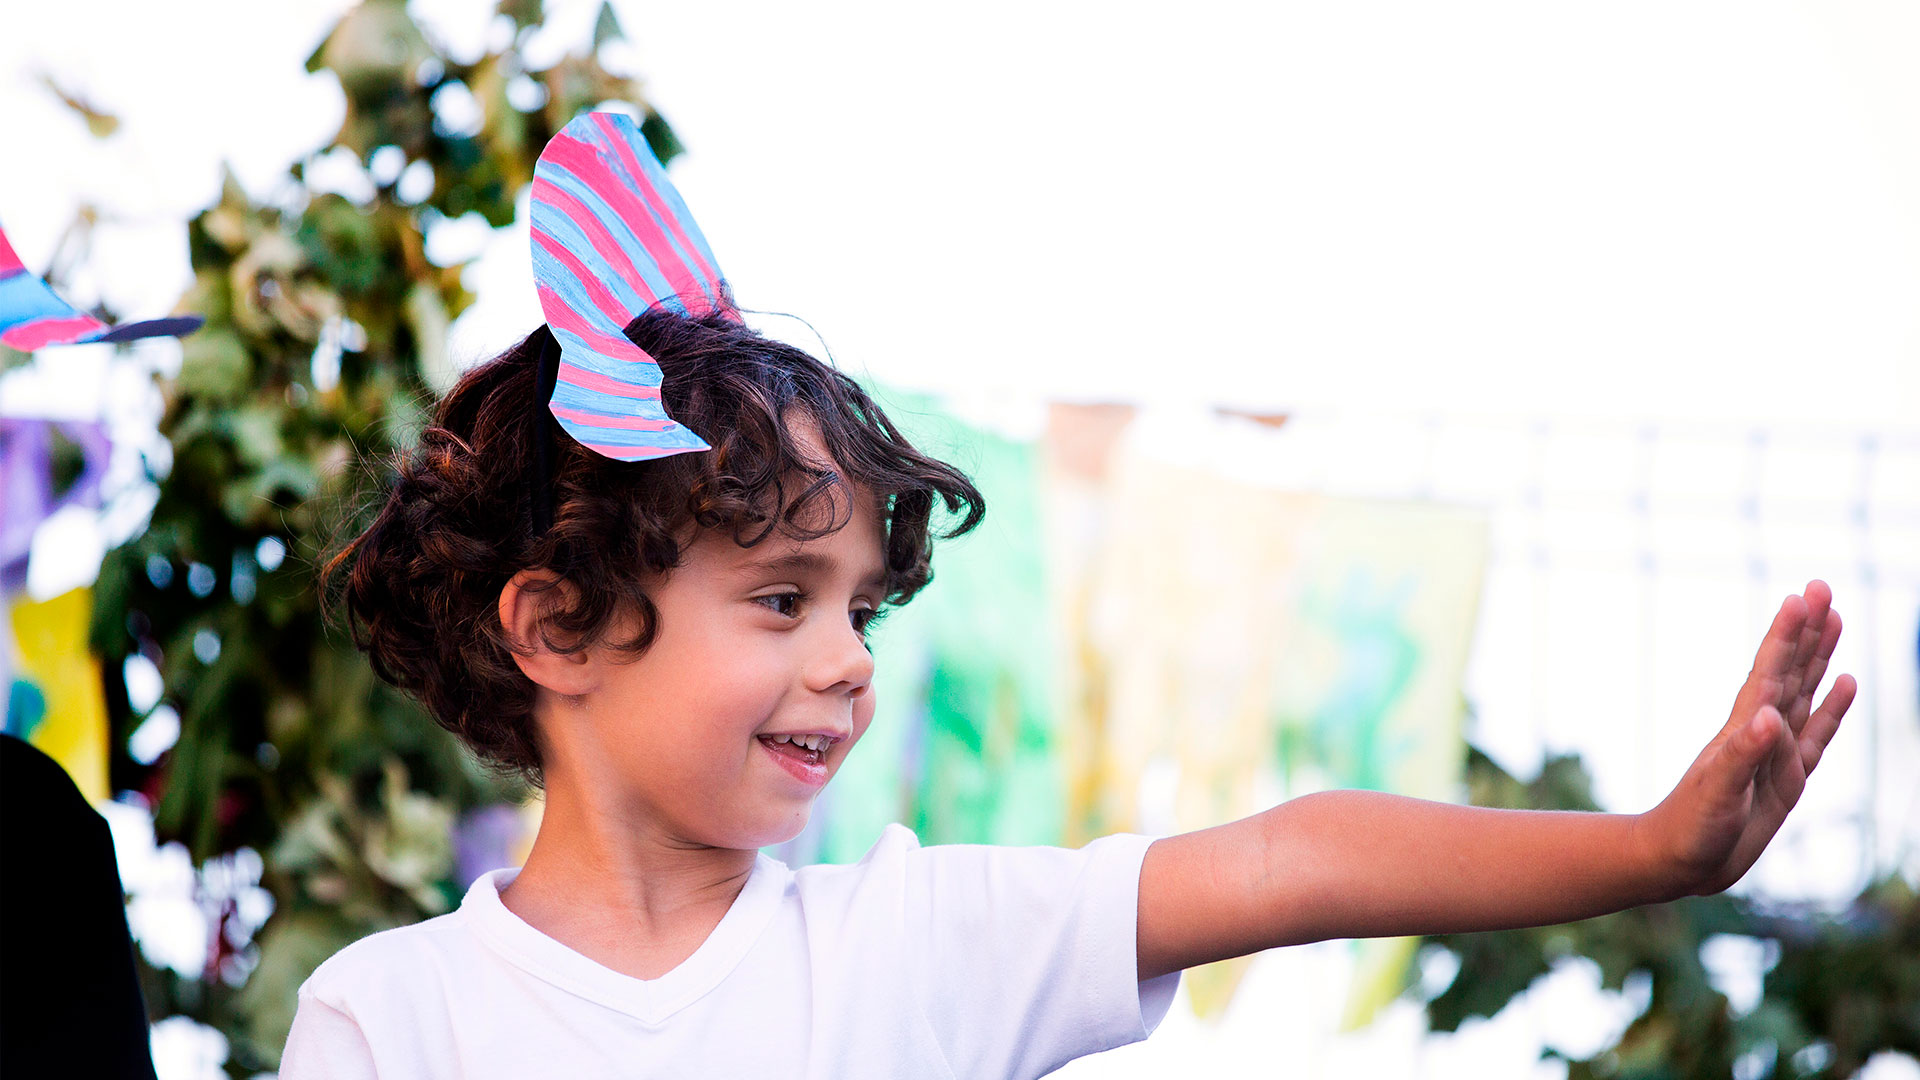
x,y
946,961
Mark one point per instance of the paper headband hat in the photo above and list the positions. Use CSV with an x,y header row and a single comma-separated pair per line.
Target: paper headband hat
x,y
32,316
611,240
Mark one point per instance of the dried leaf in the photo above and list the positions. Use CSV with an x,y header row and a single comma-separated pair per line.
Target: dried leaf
x,y
100,123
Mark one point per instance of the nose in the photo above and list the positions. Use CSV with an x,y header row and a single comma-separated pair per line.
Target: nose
x,y
841,662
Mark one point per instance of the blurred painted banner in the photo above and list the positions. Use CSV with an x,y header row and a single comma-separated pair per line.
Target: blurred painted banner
x,y
1132,644
54,697
53,694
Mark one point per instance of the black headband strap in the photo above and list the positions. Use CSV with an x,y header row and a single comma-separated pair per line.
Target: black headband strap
x,y
543,422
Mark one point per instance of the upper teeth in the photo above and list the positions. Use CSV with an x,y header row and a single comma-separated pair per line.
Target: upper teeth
x,y
811,742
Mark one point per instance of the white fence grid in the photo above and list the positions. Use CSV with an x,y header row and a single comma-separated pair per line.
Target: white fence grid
x,y
1635,567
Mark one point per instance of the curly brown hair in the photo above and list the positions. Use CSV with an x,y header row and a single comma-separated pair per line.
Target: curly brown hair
x,y
420,586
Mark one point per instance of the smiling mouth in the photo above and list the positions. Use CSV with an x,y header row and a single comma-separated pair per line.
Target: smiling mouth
x,y
796,751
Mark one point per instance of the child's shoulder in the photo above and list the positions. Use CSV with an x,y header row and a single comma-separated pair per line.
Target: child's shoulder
x,y
889,853
382,955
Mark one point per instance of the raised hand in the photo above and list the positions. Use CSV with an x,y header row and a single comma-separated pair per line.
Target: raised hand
x,y
1706,834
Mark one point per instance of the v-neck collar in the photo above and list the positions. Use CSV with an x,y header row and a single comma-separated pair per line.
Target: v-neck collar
x,y
651,1001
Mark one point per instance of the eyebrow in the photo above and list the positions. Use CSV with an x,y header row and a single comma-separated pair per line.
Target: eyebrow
x,y
806,562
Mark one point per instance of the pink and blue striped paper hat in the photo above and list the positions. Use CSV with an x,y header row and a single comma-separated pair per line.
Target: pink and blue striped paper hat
x,y
32,315
611,240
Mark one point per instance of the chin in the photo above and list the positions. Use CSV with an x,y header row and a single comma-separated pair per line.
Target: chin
x,y
793,827
766,834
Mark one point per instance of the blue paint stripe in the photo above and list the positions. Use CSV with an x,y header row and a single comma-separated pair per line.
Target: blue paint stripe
x,y
651,277
576,397
562,228
554,274
25,298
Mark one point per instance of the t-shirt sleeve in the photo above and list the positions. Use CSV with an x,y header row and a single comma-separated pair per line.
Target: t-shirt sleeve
x,y
325,1044
1028,953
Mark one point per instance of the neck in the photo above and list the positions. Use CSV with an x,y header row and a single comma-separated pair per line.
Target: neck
x,y
611,883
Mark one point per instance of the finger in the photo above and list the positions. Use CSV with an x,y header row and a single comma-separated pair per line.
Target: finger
x,y
1829,637
1771,662
1816,670
1818,593
1819,600
1825,721
1742,755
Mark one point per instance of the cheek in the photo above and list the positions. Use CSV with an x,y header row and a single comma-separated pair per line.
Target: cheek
x,y
863,710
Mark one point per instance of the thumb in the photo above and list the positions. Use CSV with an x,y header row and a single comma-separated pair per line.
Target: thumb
x,y
1746,750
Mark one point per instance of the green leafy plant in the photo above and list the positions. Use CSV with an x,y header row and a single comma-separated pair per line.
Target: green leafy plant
x,y
324,348
1845,987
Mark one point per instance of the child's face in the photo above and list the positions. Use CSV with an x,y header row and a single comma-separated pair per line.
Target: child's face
x,y
751,643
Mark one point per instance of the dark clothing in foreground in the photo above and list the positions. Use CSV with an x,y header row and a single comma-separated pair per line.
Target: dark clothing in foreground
x,y
69,997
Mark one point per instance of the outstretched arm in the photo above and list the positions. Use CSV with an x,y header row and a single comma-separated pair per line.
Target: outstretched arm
x,y
1363,864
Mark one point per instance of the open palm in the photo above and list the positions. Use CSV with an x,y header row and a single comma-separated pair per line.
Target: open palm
x,y
1730,803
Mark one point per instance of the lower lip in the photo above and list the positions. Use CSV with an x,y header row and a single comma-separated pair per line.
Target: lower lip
x,y
806,772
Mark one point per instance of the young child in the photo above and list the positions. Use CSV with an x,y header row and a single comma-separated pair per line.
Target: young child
x,y
636,558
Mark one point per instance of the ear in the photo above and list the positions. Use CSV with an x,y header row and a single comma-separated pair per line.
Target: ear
x,y
521,602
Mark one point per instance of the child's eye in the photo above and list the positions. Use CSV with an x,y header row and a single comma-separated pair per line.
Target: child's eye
x,y
786,603
864,619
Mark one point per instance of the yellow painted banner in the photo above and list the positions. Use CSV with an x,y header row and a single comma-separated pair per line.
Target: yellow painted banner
x,y
1238,646
55,700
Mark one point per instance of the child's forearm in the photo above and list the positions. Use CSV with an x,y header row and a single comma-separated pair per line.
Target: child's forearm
x,y
1348,864
1364,864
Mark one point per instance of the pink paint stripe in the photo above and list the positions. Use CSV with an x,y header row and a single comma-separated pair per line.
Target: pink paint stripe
x,y
563,317
632,453
614,310
9,262
609,249
51,331
620,423
585,162
604,121
574,375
